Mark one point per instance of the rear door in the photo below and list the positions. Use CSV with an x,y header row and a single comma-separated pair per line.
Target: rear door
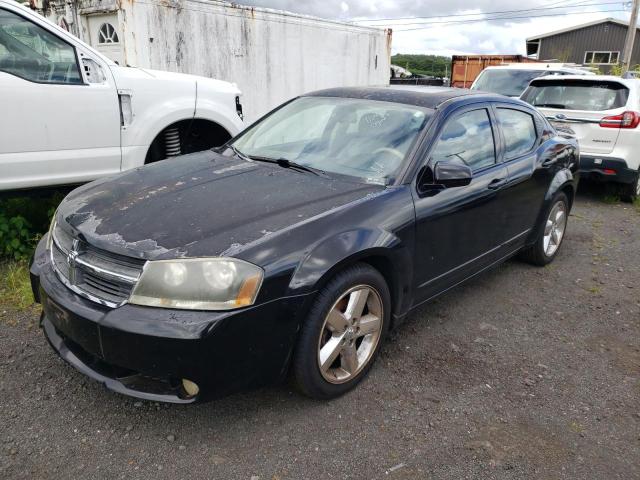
x,y
578,107
522,133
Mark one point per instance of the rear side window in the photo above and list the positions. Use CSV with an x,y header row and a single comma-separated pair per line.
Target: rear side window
x,y
468,138
577,95
519,131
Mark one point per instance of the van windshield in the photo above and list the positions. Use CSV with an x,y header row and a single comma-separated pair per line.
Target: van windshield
x,y
510,82
594,96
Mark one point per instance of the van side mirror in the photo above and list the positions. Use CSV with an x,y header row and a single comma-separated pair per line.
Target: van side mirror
x,y
452,174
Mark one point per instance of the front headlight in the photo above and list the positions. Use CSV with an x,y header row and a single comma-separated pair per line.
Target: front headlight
x,y
198,284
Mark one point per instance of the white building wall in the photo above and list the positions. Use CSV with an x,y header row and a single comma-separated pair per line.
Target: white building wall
x,y
271,55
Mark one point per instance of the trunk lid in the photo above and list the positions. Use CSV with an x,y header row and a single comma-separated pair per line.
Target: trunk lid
x,y
585,127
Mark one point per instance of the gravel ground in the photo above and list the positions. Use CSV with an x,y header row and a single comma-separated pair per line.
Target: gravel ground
x,y
521,373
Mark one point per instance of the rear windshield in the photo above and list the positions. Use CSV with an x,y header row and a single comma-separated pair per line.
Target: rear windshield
x,y
509,82
577,95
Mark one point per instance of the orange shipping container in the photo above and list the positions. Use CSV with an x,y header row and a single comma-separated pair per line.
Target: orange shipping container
x,y
465,68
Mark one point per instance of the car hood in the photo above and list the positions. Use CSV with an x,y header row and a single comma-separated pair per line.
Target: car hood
x,y
142,78
203,204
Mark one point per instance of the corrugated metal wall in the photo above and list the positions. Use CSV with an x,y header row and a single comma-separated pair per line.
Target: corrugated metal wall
x,y
571,46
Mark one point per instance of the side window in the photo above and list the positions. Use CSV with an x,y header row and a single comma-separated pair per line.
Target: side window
x,y
31,52
519,131
468,138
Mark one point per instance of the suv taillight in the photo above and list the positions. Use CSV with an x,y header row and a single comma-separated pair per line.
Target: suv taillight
x,y
624,120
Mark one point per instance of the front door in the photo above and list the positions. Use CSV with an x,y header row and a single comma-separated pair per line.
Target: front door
x,y
57,125
105,36
460,230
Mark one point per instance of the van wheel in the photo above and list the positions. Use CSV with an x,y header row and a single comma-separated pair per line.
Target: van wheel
x,y
343,333
631,191
552,233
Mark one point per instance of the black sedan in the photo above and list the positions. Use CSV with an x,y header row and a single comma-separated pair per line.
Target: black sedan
x,y
293,249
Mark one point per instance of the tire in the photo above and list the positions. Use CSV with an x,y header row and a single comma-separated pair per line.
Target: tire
x,y
540,253
343,294
631,191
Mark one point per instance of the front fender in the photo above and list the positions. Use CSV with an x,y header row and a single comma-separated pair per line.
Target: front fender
x,y
381,248
150,120
220,113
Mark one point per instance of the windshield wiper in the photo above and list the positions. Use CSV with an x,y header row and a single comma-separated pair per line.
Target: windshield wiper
x,y
283,162
286,163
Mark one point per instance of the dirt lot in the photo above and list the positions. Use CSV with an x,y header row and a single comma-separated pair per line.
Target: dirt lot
x,y
522,373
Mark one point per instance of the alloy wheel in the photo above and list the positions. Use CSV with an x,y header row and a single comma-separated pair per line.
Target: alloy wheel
x,y
350,334
554,228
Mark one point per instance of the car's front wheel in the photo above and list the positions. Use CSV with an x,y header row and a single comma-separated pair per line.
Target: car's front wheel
x,y
343,333
552,232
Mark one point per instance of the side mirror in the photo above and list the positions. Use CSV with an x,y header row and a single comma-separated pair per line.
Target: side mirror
x,y
452,174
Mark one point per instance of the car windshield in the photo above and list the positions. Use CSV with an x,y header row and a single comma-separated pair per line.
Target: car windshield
x,y
366,139
592,96
509,82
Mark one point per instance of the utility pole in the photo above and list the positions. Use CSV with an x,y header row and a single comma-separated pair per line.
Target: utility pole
x,y
631,36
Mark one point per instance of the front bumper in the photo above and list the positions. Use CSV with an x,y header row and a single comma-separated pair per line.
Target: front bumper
x,y
145,352
608,169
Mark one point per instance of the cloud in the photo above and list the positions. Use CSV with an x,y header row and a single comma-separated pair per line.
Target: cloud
x,y
496,37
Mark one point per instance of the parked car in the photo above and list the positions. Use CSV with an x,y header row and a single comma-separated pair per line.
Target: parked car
x,y
602,113
71,115
299,244
512,80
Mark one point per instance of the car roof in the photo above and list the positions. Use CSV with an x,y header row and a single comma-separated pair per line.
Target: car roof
x,y
428,97
628,82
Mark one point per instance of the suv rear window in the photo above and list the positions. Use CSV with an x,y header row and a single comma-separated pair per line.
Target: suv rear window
x,y
577,95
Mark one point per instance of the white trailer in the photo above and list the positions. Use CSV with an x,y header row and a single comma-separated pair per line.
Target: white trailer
x,y
271,55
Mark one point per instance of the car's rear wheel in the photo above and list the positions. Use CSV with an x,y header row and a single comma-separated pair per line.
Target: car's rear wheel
x,y
552,232
343,333
631,191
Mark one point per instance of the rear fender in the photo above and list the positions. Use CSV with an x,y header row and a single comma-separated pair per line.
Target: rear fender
x,y
563,178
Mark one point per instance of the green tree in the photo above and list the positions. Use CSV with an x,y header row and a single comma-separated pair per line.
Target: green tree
x,y
432,65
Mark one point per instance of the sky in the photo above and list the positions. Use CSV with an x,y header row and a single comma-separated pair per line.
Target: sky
x,y
474,32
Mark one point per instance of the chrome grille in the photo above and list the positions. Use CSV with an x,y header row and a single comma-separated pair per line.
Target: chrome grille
x,y
96,274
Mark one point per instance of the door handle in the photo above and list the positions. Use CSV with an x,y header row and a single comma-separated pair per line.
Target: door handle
x,y
497,183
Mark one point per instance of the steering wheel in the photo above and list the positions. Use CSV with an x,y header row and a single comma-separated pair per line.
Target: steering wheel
x,y
392,151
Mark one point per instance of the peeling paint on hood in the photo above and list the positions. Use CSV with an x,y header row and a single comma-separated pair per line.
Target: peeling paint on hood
x,y
201,204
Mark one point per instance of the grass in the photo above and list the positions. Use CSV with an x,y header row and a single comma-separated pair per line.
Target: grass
x,y
611,199
15,286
